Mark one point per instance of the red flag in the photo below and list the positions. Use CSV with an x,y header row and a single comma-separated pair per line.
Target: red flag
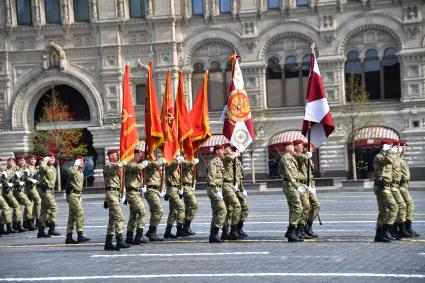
x,y
129,136
238,126
154,136
183,125
317,111
171,145
199,116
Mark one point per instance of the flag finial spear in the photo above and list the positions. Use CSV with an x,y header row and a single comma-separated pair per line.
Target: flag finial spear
x,y
312,45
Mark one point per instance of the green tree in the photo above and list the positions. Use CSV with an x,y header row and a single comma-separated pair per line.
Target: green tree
x,y
60,139
356,115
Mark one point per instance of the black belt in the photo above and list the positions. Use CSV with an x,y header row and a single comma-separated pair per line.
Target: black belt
x,y
187,184
303,182
132,189
402,182
112,189
228,182
77,192
396,182
153,187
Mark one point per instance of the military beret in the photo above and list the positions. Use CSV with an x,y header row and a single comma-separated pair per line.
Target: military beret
x,y
234,148
298,142
387,141
112,151
11,157
226,145
403,143
218,146
285,143
51,154
78,156
31,155
20,156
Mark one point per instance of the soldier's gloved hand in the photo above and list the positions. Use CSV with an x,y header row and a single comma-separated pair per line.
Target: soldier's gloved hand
x,y
400,150
10,185
21,183
311,190
77,162
34,181
236,187
162,161
145,163
394,149
195,161
218,195
309,154
119,164
300,190
18,174
144,189
27,171
245,193
179,159
4,174
193,188
181,193
162,194
123,200
386,147
47,158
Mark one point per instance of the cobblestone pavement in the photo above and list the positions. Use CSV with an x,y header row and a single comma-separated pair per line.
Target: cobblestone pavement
x,y
345,251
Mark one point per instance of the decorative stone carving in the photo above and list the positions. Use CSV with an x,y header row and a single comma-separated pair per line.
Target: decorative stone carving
x,y
54,57
65,12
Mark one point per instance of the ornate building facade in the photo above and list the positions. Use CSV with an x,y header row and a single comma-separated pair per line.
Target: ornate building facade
x,y
81,46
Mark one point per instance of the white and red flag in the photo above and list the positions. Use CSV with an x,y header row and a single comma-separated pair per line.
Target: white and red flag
x,y
317,118
238,127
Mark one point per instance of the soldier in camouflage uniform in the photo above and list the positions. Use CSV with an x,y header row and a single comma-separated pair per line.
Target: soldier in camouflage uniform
x,y
153,196
31,176
21,174
387,206
215,184
241,192
113,174
6,218
312,195
134,188
74,191
174,191
7,192
302,160
190,202
288,170
230,199
49,207
404,190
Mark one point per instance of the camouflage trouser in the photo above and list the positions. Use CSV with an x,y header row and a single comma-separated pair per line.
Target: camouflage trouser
x,y
218,208
410,207
14,204
176,206
314,207
401,215
33,196
137,216
232,204
22,198
76,213
116,217
387,206
155,207
190,203
306,206
5,211
244,206
49,207
294,203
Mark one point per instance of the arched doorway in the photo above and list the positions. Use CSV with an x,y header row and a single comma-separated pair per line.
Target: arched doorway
x,y
276,151
367,145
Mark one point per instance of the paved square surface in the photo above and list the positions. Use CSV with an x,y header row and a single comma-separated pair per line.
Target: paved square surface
x,y
345,251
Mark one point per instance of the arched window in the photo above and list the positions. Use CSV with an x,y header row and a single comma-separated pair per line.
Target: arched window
x,y
197,76
372,74
391,68
292,82
274,83
216,87
353,66
305,72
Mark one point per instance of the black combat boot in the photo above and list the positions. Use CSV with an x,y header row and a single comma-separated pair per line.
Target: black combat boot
x,y
138,239
9,229
151,234
69,239
81,238
37,223
168,234
214,238
129,238
298,232
309,226
108,243
394,231
386,232
379,237
240,229
52,230
41,233
30,224
186,228
120,243
402,230
25,224
18,227
181,232
410,230
292,235
2,231
233,234
225,232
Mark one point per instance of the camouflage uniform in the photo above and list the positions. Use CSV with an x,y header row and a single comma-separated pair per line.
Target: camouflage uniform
x,y
112,175
20,196
302,178
133,185
8,196
229,195
152,195
387,206
288,169
32,193
396,178
215,183
190,202
73,197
